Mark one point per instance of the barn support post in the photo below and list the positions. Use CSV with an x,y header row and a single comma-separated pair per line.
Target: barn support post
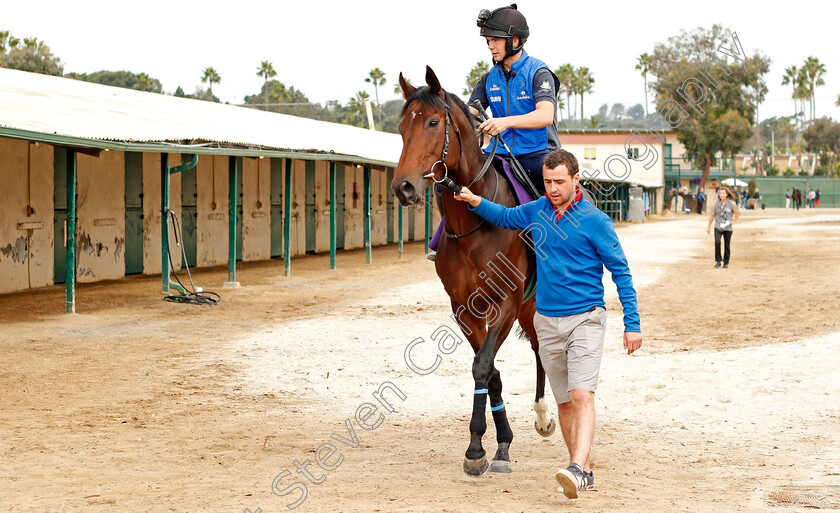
x,y
165,193
399,230
164,222
70,261
332,215
233,182
428,217
287,219
368,252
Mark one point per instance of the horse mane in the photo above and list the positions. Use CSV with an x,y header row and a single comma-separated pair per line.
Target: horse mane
x,y
425,96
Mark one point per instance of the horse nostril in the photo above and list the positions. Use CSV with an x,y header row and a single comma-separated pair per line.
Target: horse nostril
x,y
407,189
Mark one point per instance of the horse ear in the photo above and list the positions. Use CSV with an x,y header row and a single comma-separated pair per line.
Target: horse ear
x,y
407,89
433,83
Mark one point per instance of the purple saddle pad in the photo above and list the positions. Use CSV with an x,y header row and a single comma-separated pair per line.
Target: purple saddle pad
x,y
519,191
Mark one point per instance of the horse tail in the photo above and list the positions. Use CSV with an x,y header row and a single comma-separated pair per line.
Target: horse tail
x,y
522,334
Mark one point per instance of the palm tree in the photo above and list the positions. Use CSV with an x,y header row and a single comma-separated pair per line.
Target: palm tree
x,y
595,121
475,74
584,83
211,77
643,65
143,81
566,73
358,102
266,70
790,77
376,77
561,104
4,39
802,93
814,70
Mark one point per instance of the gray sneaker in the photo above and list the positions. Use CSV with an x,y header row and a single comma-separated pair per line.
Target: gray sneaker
x,y
588,481
571,479
431,256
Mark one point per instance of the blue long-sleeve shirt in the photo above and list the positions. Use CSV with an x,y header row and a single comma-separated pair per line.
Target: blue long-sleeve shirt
x,y
571,256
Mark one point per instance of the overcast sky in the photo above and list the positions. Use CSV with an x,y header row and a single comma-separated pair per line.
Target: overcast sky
x,y
326,48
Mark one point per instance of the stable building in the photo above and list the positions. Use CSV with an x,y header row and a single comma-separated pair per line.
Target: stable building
x,y
93,176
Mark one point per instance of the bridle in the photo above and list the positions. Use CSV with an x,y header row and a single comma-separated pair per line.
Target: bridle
x,y
446,181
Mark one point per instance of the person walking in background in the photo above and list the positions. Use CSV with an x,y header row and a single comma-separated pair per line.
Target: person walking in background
x,y
701,201
787,199
817,198
725,214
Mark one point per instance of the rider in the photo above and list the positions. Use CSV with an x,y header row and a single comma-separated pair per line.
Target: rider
x,y
521,92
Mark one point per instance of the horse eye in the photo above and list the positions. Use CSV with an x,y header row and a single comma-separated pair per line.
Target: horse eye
x,y
433,122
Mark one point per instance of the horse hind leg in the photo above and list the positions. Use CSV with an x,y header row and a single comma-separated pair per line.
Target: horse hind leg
x,y
504,435
544,423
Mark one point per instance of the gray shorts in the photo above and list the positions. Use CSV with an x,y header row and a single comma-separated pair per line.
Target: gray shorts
x,y
570,349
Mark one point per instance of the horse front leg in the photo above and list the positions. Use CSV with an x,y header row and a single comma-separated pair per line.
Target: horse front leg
x,y
504,435
488,382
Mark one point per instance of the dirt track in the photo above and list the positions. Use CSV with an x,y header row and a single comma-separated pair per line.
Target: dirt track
x,y
134,404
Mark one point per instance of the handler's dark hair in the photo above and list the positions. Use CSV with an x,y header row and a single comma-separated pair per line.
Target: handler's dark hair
x,y
561,157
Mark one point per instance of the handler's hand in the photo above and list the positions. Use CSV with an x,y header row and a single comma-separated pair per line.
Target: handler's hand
x,y
469,197
708,230
632,341
495,126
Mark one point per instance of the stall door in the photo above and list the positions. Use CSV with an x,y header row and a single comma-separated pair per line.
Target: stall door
x,y
310,219
60,214
339,206
189,213
133,213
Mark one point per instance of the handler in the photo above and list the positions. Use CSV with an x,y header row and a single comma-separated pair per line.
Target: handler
x,y
579,242
521,92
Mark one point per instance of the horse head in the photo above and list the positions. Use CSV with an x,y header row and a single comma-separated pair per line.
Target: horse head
x,y
431,133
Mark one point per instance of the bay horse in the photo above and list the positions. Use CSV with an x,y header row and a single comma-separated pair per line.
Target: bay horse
x,y
439,141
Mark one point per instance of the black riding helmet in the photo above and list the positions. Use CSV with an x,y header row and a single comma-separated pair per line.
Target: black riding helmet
x,y
504,22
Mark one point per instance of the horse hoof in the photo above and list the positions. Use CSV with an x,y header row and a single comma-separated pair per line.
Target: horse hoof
x,y
548,431
476,467
500,467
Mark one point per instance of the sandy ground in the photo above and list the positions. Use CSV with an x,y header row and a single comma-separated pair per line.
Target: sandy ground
x,y
135,404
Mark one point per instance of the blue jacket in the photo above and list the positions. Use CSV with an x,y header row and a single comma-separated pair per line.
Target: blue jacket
x,y
516,98
571,255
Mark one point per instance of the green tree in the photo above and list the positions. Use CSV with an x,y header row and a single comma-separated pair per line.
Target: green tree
x,y
376,77
210,76
266,70
643,64
814,70
823,137
602,111
713,119
143,81
617,110
475,74
566,74
636,112
33,56
126,79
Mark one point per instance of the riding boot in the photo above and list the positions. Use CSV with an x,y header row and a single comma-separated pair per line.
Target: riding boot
x,y
433,244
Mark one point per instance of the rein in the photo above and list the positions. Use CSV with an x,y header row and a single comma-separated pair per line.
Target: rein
x,y
451,185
